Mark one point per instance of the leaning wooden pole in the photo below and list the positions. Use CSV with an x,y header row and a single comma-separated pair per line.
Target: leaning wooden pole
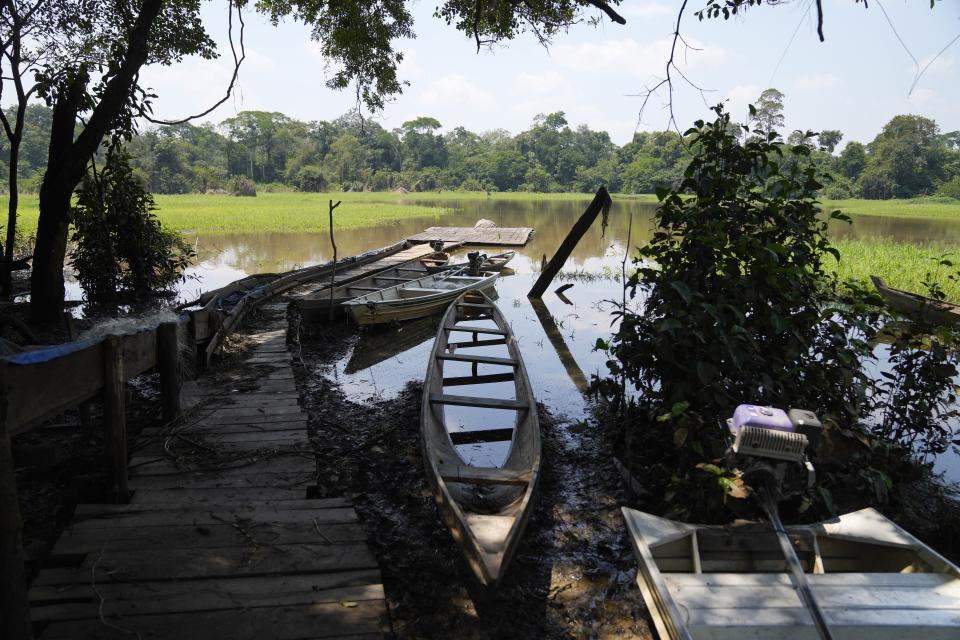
x,y
333,272
601,202
14,605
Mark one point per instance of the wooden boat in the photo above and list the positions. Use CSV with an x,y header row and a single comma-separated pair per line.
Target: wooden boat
x,y
435,261
870,578
415,299
316,307
492,263
486,508
915,305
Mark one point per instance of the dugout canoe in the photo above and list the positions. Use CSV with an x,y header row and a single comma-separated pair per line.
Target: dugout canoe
x,y
316,307
415,299
491,263
870,578
486,508
916,305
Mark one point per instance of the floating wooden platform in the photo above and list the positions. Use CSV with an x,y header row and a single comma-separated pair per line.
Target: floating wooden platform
x,y
496,236
219,540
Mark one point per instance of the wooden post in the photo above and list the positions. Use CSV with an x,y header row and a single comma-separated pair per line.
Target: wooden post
x,y
14,604
114,414
168,364
601,202
85,410
333,271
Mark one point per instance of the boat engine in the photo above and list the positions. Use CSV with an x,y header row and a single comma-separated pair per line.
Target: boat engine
x,y
770,448
476,260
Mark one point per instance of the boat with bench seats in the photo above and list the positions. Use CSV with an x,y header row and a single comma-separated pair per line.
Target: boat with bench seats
x,y
480,434
417,298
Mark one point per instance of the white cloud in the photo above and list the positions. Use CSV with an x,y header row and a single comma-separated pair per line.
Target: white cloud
x,y
630,56
454,89
539,83
816,82
738,98
257,61
410,67
942,64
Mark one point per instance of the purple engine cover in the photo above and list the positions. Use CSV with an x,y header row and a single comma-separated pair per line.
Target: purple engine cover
x,y
749,415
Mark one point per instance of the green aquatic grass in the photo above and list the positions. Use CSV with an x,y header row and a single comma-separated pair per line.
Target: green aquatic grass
x,y
914,208
903,266
210,214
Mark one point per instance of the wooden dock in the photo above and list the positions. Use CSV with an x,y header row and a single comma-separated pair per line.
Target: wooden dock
x,y
219,540
492,236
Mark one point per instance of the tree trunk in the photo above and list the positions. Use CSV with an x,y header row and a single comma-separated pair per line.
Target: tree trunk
x,y
601,202
68,157
6,285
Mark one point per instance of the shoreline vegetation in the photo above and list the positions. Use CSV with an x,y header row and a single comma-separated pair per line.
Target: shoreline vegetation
x,y
903,265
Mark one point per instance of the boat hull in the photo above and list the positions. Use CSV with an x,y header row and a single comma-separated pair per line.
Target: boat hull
x,y
488,536
917,306
386,307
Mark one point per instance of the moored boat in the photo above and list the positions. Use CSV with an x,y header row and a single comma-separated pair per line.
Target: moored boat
x,y
415,299
915,305
316,307
436,261
487,506
871,579
491,263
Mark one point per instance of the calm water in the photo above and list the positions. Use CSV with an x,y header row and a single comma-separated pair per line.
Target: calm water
x,y
556,339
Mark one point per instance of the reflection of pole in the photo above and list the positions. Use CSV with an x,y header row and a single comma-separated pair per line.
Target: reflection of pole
x,y
560,345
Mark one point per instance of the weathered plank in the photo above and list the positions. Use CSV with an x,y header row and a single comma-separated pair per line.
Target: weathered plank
x,y
269,463
493,236
218,594
474,401
480,475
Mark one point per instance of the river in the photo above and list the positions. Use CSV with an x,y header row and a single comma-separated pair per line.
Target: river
x,y
557,340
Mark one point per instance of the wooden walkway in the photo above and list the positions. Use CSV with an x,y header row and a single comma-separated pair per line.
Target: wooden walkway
x,y
495,236
219,540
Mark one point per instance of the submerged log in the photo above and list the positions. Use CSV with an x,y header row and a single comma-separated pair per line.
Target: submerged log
x,y
601,202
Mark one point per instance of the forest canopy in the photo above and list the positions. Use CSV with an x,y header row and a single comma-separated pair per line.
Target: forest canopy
x,y
909,157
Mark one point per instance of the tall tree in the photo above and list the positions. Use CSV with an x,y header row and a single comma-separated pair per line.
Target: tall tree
x,y
767,114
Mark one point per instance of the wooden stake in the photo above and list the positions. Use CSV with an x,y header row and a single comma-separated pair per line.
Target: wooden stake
x,y
601,202
333,272
168,364
114,414
14,604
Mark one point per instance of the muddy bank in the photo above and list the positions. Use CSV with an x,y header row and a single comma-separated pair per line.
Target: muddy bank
x,y
573,575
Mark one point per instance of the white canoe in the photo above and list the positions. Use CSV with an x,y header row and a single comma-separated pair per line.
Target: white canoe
x,y
415,299
486,508
871,579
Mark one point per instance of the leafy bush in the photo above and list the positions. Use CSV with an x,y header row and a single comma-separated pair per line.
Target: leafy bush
x,y
840,188
950,188
121,249
737,307
243,186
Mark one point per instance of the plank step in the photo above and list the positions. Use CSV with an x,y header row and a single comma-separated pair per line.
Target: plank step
x,y
473,305
477,343
481,475
481,435
457,357
496,332
471,401
454,381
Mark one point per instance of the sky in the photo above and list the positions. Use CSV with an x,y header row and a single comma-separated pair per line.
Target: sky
x,y
855,81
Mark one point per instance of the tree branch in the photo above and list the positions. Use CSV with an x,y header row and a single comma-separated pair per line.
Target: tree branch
x,y
607,9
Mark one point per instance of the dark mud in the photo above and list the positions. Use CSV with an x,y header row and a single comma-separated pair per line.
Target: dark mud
x,y
573,575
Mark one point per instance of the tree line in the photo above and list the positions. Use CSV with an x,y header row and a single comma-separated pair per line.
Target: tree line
x,y
910,157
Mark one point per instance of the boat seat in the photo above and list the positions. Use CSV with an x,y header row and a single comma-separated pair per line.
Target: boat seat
x,y
471,401
464,357
454,381
416,292
459,438
482,475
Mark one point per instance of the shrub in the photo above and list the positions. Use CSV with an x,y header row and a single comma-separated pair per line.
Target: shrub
x,y
950,188
121,249
243,186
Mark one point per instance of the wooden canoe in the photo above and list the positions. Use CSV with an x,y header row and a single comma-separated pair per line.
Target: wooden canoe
x,y
492,263
915,305
415,299
486,508
870,578
316,307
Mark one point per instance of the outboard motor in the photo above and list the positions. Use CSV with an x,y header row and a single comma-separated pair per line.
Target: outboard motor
x,y
476,260
436,245
770,450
